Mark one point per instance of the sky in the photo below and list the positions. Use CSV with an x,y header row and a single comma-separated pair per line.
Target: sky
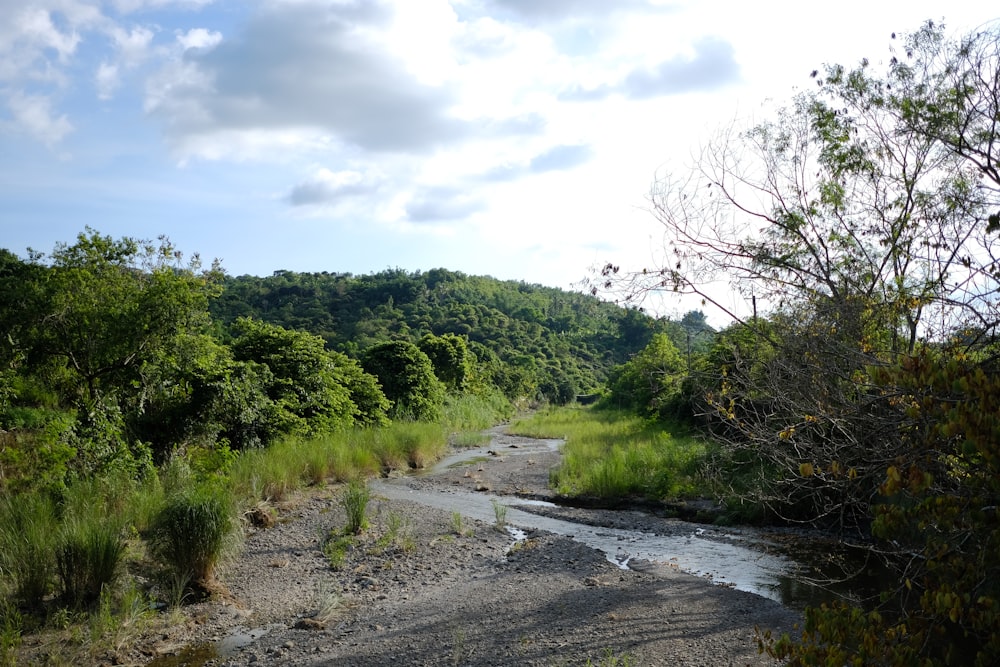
x,y
512,138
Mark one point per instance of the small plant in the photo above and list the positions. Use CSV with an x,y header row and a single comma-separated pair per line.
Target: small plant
x,y
612,660
116,623
397,534
500,514
355,502
456,523
329,604
335,549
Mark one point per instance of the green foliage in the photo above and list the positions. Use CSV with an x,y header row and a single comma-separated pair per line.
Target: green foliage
x,y
91,329
575,335
651,381
366,394
190,534
450,358
408,380
100,439
35,448
304,384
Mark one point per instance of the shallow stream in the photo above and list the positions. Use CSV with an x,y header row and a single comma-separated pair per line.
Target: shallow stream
x,y
766,563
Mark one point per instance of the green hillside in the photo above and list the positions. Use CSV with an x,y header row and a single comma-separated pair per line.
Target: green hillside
x,y
531,338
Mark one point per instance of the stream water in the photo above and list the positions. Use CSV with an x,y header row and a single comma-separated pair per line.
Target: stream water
x,y
766,563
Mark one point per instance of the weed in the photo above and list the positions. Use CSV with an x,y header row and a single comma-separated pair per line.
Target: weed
x,y
459,652
329,604
500,515
397,534
354,500
468,439
11,623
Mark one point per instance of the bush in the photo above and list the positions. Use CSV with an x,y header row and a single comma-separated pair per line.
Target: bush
x,y
190,534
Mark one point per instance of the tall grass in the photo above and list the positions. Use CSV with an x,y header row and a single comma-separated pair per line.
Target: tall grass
x,y
89,558
29,530
273,473
475,412
610,453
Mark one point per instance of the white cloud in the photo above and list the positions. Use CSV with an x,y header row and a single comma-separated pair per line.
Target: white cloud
x,y
328,188
443,204
132,45
311,68
130,6
33,114
199,38
35,27
132,48
107,80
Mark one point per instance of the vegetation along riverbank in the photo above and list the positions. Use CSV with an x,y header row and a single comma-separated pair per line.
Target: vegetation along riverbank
x,y
175,442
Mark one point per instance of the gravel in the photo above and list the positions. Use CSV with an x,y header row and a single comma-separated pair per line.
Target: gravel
x,y
418,588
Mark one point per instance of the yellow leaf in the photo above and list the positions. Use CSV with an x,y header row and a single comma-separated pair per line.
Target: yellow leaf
x,y
806,469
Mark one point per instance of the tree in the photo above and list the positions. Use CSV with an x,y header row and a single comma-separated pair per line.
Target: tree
x,y
307,383
366,394
407,379
951,94
939,513
651,380
851,225
105,308
449,354
95,319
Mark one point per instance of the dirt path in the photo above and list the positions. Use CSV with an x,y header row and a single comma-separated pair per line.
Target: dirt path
x,y
419,589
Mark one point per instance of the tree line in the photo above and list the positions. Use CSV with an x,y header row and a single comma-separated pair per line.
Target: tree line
x,y
118,352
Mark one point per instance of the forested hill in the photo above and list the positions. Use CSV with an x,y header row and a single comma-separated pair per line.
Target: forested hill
x,y
547,338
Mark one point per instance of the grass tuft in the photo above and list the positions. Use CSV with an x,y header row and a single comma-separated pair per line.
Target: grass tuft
x,y
354,500
500,515
191,533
